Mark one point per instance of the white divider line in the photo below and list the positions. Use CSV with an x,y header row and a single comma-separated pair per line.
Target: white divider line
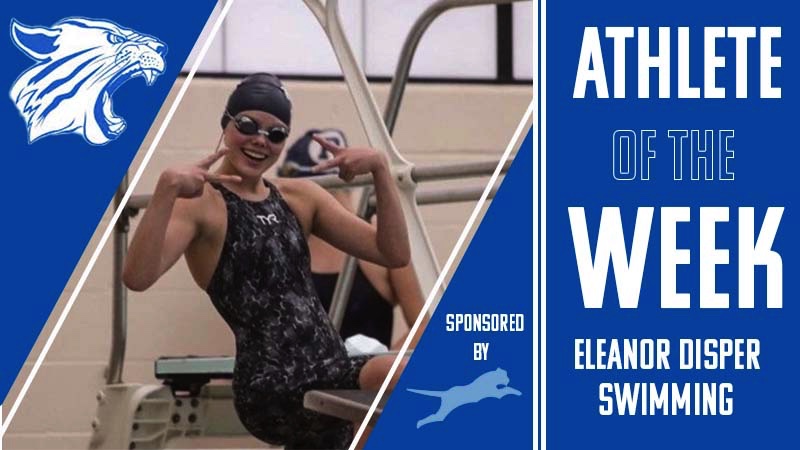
x,y
543,226
535,231
513,143
114,219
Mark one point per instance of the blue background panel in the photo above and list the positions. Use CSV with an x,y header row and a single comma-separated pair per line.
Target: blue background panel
x,y
494,276
56,189
579,173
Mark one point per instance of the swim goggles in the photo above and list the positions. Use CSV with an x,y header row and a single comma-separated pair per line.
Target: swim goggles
x,y
249,127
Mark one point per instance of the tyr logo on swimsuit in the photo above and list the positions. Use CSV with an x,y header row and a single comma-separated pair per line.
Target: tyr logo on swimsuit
x,y
270,219
80,63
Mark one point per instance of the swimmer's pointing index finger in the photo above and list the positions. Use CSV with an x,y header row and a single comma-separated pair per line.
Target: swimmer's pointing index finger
x,y
328,145
209,160
336,151
206,164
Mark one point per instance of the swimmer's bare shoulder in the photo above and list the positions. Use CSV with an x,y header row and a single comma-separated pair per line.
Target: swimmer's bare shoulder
x,y
303,197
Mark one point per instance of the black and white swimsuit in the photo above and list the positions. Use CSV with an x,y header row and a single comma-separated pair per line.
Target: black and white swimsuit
x,y
285,344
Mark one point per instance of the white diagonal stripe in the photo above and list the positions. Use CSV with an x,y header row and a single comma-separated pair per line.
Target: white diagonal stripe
x,y
114,219
445,270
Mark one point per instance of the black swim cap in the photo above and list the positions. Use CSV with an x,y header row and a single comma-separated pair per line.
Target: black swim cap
x,y
260,92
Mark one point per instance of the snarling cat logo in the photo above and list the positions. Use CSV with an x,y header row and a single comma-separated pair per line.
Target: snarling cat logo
x,y
80,63
492,384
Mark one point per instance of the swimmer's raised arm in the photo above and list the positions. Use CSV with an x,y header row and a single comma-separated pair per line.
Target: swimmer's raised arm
x,y
406,292
169,223
386,244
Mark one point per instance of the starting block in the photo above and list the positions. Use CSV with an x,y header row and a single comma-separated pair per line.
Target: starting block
x,y
350,405
137,416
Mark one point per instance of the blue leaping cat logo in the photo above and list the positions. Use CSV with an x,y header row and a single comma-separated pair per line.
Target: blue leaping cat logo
x,y
492,384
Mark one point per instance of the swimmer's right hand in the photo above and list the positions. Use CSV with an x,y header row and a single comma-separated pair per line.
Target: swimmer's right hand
x,y
189,181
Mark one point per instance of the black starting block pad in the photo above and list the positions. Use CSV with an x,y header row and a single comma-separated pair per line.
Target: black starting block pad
x,y
212,367
218,367
191,373
351,405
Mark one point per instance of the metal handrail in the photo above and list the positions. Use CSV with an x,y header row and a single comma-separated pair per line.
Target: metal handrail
x,y
433,196
344,282
422,253
119,311
410,48
418,174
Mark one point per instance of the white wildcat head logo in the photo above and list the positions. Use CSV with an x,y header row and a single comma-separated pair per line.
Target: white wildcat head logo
x,y
79,64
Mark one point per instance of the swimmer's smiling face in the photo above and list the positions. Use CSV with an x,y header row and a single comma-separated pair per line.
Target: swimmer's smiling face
x,y
252,155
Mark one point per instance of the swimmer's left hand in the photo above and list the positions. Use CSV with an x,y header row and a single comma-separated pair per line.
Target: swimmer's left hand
x,y
350,161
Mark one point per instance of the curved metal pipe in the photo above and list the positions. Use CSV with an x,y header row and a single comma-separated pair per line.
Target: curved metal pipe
x,y
422,173
418,174
422,252
410,48
119,312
